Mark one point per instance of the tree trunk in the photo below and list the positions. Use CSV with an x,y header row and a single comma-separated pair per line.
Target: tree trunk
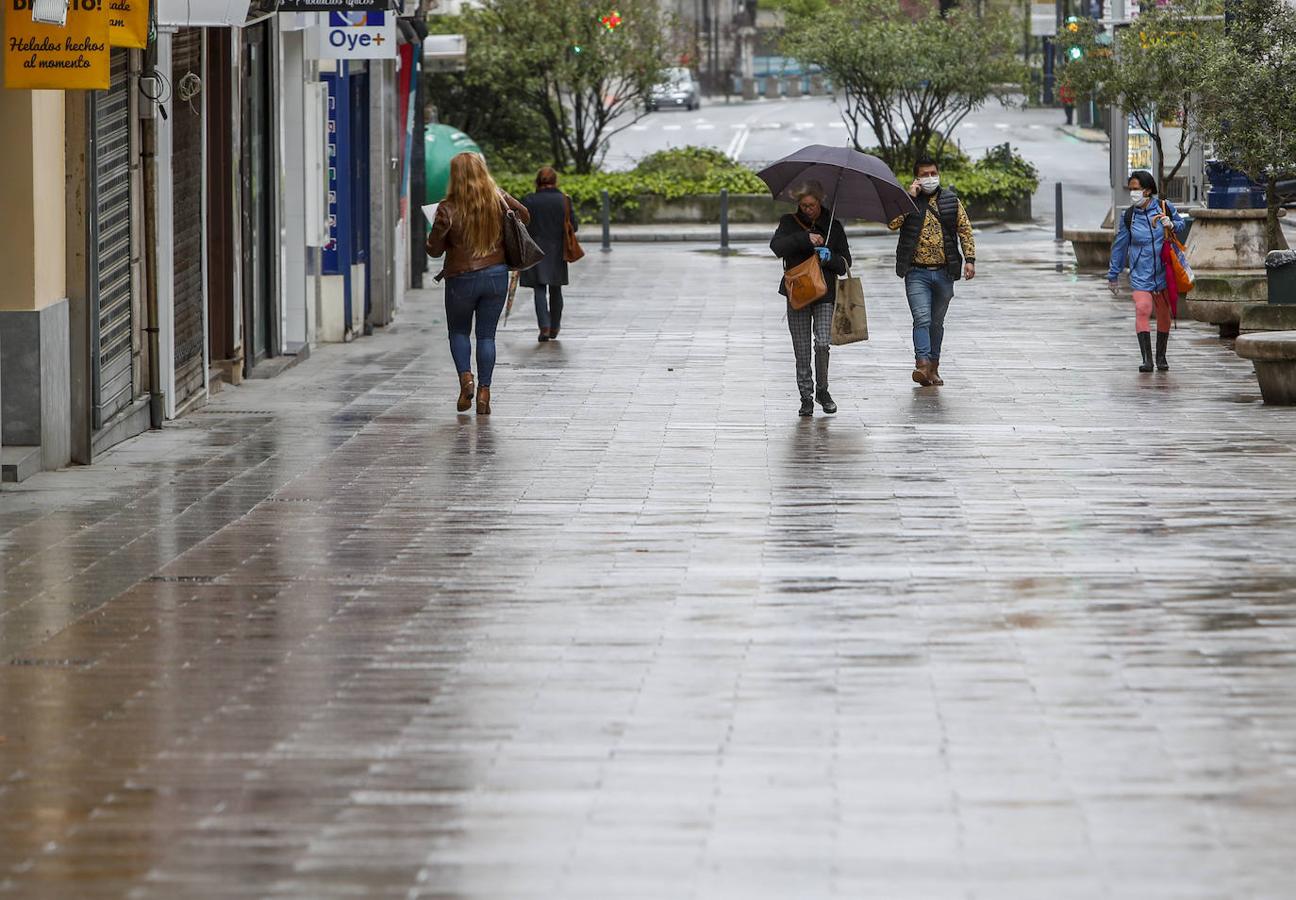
x,y
1273,227
1160,162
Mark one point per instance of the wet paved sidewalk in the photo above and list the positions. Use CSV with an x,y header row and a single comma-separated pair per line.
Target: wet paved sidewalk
x,y
645,634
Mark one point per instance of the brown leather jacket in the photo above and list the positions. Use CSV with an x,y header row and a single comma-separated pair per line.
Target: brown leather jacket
x,y
447,238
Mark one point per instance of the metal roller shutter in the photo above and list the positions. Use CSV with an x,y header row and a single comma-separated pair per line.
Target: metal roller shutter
x,y
187,174
114,374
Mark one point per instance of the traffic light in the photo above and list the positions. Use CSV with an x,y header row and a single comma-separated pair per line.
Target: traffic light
x,y
1074,49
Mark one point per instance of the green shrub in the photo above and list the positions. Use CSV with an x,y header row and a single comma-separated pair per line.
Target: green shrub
x,y
686,162
670,174
950,157
994,182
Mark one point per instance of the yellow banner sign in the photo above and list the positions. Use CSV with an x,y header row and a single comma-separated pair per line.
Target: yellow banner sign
x,y
73,57
128,23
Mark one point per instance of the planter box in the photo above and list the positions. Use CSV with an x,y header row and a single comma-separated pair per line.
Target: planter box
x,y
752,208
1227,250
1267,317
1092,247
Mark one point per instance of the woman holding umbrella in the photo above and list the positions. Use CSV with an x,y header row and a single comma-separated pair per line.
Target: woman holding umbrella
x,y
863,187
808,232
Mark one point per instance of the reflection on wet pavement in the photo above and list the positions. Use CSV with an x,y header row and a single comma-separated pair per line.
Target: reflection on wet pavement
x,y
645,633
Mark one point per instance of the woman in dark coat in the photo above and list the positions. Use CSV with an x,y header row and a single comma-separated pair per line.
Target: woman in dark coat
x,y
549,208
801,235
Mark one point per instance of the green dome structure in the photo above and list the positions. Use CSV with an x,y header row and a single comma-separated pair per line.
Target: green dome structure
x,y
441,143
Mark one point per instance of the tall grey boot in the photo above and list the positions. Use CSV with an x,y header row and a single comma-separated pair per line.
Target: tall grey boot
x,y
821,380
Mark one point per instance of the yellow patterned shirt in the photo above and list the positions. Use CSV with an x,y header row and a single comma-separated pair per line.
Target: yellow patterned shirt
x,y
931,242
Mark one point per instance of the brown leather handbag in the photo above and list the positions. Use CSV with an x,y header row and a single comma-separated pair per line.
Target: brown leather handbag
x,y
572,250
805,282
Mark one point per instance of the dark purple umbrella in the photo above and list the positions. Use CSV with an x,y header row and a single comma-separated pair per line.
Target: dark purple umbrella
x,y
855,184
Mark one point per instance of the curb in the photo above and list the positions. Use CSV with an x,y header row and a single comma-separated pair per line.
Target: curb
x,y
713,237
745,235
1088,135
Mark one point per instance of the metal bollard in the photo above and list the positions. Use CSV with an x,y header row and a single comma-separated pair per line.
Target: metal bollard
x,y
607,222
724,220
1057,218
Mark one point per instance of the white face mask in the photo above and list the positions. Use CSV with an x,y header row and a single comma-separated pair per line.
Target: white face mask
x,y
929,184
1137,198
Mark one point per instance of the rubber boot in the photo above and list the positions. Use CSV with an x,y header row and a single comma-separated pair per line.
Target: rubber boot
x,y
465,392
1145,347
821,381
1163,338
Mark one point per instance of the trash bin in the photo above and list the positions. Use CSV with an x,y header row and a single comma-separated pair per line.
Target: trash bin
x,y
1280,265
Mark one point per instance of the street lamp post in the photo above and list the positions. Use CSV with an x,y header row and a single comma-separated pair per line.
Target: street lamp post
x,y
1119,130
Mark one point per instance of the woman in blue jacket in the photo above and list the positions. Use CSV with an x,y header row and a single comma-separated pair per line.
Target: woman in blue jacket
x,y
1139,238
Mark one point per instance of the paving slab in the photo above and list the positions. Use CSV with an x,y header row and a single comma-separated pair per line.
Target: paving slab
x,y
646,633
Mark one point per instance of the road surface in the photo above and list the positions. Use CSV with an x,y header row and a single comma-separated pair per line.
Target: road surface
x,y
758,132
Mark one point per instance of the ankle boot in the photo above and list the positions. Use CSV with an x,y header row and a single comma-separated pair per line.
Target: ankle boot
x,y
1163,338
465,392
1145,347
935,373
483,401
807,405
922,372
821,381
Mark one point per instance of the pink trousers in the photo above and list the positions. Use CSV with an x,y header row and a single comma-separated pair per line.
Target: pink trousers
x,y
1144,301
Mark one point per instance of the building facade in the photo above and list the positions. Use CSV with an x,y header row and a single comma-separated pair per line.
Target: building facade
x,y
212,211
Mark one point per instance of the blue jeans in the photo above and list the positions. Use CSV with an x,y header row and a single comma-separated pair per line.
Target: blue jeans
x,y
930,292
481,293
549,309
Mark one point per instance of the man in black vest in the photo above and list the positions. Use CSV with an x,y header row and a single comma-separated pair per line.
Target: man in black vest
x,y
928,259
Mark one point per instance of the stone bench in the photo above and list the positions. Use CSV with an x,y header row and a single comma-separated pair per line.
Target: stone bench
x,y
1092,247
1274,356
1268,317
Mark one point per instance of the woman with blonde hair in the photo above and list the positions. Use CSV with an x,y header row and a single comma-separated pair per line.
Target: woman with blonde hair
x,y
469,229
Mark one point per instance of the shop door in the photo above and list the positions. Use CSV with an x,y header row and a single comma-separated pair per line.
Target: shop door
x,y
224,292
187,211
360,184
257,195
113,343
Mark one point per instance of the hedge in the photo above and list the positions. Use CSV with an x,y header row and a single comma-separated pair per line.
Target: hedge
x,y
996,181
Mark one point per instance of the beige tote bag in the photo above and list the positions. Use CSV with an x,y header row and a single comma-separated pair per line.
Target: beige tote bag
x,y
850,320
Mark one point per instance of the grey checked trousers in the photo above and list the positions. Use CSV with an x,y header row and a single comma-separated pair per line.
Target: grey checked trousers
x,y
813,321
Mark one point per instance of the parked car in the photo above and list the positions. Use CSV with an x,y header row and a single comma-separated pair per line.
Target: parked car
x,y
680,90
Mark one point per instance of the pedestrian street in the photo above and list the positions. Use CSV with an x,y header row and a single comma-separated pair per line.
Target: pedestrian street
x,y
643,632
